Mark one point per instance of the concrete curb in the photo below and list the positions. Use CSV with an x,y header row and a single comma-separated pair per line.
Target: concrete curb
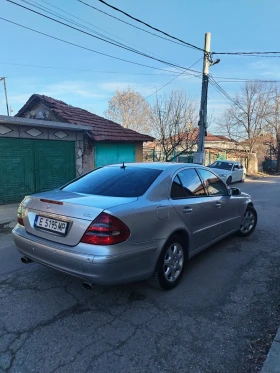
x,y
272,361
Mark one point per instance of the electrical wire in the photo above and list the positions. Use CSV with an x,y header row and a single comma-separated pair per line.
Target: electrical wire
x,y
243,53
82,47
216,85
50,11
85,70
115,44
139,28
170,81
146,24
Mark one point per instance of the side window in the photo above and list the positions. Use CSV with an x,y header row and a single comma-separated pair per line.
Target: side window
x,y
193,187
214,186
177,190
236,167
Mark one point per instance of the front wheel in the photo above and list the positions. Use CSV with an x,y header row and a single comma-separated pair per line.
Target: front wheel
x,y
249,222
170,265
229,180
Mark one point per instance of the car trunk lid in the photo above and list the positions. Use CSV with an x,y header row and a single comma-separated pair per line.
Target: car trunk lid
x,y
63,217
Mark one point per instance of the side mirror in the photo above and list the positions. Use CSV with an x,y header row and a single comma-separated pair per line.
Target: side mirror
x,y
235,191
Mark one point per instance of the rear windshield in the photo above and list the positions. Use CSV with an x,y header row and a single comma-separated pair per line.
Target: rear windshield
x,y
115,181
221,165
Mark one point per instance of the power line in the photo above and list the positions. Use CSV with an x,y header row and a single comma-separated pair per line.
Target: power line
x,y
170,81
84,32
224,93
244,53
48,10
170,36
79,46
84,70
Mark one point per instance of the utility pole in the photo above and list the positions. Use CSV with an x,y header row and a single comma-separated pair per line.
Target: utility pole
x,y
5,89
199,155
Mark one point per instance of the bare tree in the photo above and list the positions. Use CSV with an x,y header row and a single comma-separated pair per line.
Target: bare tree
x,y
130,109
173,119
245,120
273,123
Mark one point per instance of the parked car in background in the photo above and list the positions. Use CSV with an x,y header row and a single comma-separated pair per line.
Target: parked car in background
x,y
123,223
229,171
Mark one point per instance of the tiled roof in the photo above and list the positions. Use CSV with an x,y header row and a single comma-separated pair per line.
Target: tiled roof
x,y
100,129
193,136
211,137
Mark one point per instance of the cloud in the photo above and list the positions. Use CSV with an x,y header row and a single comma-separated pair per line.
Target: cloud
x,y
266,68
67,88
113,86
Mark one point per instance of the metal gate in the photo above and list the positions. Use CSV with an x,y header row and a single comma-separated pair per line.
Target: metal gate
x,y
30,166
113,153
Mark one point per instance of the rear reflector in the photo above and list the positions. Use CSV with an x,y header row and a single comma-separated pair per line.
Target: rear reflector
x,y
106,229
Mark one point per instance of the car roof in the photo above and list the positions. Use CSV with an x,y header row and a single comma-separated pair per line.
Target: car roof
x,y
156,165
226,161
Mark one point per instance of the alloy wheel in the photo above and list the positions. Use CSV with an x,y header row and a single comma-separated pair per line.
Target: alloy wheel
x,y
173,262
247,222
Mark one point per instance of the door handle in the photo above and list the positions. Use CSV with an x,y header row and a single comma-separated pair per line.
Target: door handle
x,y
218,205
187,210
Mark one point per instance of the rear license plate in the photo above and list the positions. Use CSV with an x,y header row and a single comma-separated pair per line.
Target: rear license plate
x,y
51,225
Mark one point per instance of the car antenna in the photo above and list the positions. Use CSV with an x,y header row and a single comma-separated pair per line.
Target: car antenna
x,y
123,166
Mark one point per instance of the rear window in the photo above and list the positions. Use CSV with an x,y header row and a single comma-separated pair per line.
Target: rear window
x,y
115,181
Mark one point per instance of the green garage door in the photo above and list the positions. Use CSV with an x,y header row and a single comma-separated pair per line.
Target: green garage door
x,y
113,153
30,166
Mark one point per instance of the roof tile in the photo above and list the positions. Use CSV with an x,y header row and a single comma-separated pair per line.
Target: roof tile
x,y
100,129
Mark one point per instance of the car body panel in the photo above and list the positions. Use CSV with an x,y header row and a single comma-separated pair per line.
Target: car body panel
x,y
236,170
151,218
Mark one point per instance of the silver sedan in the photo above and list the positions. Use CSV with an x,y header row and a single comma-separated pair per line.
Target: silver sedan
x,y
129,222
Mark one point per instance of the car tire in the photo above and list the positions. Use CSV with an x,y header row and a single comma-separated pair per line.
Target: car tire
x,y
170,265
249,222
229,180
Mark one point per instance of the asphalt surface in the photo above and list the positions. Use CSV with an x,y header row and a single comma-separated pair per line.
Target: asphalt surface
x,y
220,319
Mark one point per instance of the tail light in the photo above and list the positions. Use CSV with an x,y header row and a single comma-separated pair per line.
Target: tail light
x,y
106,229
19,215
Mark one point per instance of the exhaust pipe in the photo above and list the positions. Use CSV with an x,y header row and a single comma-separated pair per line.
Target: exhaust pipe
x,y
26,260
87,286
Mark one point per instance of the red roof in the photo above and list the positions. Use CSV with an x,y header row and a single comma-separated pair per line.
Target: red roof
x,y
100,129
211,137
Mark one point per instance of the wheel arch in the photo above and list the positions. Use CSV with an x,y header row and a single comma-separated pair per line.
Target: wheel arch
x,y
184,235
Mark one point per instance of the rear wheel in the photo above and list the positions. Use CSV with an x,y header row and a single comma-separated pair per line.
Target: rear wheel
x,y
170,265
229,180
249,222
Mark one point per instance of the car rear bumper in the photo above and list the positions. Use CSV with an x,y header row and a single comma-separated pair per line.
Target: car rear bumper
x,y
100,269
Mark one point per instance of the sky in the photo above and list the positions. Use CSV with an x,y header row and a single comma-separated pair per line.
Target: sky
x,y
34,63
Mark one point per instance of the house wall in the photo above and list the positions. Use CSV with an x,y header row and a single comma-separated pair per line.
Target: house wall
x,y
42,133
83,146
139,152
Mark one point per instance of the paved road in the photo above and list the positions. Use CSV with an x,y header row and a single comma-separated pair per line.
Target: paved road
x,y
215,321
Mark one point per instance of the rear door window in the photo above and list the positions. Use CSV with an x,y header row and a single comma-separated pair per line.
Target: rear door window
x,y
214,185
187,184
115,181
